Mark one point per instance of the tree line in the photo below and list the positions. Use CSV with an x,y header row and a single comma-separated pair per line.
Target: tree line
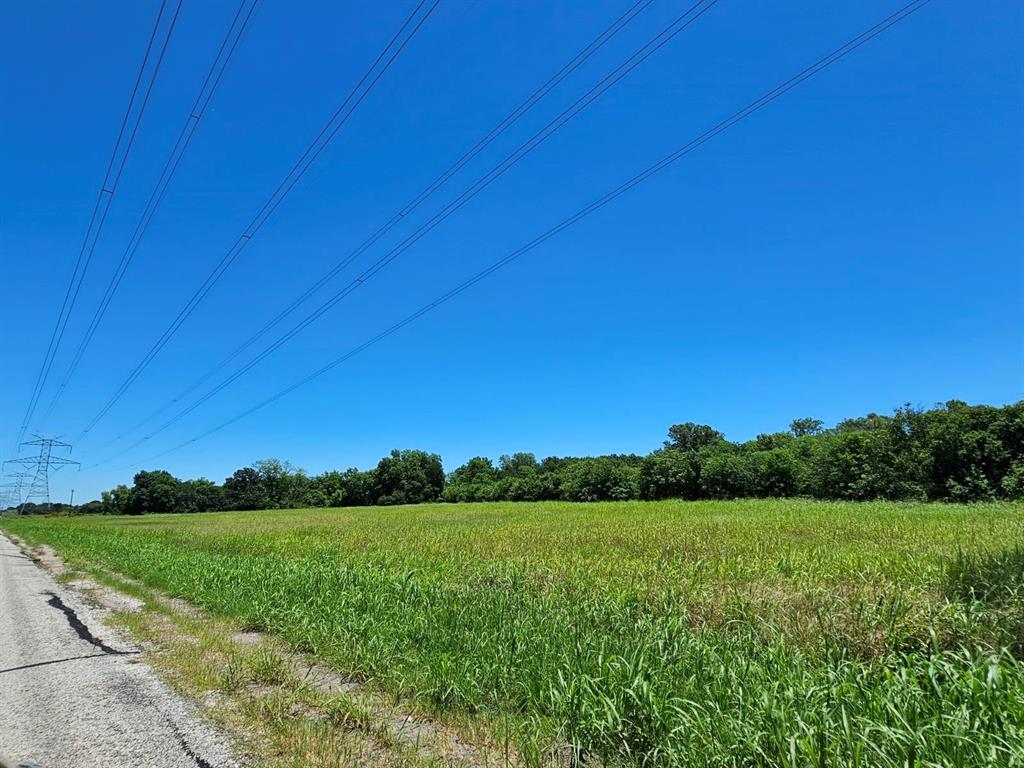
x,y
952,452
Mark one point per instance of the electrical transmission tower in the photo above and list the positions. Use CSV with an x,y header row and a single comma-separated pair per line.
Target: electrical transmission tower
x,y
42,465
13,490
7,497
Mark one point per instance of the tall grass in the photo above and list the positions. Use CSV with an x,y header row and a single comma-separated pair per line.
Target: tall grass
x,y
991,584
728,634
990,577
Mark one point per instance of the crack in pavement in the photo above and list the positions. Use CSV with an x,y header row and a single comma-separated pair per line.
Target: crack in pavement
x,y
69,703
57,661
80,629
186,747
85,634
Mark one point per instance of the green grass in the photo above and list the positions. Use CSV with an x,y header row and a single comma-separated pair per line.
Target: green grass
x,y
746,633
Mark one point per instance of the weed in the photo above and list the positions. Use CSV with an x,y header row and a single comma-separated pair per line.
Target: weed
x,y
343,712
267,667
232,675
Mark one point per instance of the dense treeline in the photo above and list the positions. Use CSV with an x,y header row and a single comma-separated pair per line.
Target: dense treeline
x,y
953,452
31,508
404,477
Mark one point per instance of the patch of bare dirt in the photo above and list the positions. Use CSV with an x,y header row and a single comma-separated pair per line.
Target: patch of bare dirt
x,y
49,559
248,637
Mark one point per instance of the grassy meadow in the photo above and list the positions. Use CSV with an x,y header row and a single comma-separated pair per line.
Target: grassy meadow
x,y
740,633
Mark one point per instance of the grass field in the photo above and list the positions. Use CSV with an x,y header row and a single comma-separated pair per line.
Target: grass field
x,y
747,633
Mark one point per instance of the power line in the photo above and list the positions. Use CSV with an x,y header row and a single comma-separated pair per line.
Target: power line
x,y
514,116
597,204
666,35
115,167
351,102
213,78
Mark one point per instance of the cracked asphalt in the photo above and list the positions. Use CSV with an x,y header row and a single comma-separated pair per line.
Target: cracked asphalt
x,y
75,693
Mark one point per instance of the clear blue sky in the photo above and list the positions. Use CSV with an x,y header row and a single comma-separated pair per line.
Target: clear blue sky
x,y
855,245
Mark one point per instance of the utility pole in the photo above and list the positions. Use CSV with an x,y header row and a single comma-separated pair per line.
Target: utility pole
x,y
43,464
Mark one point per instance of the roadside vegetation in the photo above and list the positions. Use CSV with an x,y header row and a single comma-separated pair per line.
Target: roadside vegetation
x,y
284,709
714,633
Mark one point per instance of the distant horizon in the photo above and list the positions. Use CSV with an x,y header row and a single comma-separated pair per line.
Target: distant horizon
x,y
451,464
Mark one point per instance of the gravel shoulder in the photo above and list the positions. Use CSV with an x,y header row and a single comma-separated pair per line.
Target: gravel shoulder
x,y
74,692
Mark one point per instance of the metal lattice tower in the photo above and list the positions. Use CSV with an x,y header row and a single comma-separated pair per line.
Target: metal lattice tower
x,y
13,489
43,464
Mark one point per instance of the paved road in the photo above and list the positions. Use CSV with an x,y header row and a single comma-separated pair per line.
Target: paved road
x,y
75,694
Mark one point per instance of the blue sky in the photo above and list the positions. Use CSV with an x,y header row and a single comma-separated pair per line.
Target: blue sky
x,y
853,246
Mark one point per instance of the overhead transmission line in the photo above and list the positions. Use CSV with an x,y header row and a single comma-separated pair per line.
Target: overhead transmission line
x,y
399,216
582,213
412,24
668,33
218,67
115,167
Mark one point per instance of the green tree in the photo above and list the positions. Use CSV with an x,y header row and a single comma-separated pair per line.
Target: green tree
x,y
863,423
281,484
769,442
805,426
351,488
864,465
1012,484
725,475
476,480
604,478
117,501
90,508
774,473
244,490
964,452
692,437
520,478
409,477
200,495
155,492
669,474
